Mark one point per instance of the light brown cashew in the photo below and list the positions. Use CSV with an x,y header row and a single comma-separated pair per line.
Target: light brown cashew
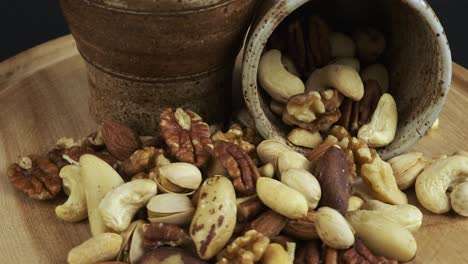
x,y
74,209
343,78
407,215
379,73
382,128
289,65
433,182
305,138
352,62
342,45
275,79
459,199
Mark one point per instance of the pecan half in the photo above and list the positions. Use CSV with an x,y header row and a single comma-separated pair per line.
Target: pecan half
x,y
268,223
35,176
186,135
296,44
356,114
249,209
318,43
302,228
308,254
239,166
160,234
359,253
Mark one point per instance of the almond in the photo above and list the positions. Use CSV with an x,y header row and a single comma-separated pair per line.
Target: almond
x,y
120,140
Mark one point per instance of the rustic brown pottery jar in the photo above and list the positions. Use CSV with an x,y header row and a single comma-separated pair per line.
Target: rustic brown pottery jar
x,y
143,56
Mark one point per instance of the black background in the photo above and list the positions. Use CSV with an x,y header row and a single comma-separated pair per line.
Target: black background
x,y
26,23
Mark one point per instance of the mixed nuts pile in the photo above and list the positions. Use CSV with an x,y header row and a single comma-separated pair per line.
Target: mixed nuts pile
x,y
313,76
201,194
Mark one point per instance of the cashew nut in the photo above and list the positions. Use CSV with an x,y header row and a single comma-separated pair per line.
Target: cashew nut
x,y
370,44
305,183
277,108
383,126
355,203
407,215
275,79
267,170
269,150
120,205
74,209
433,182
383,236
351,62
459,199
333,229
289,65
379,73
407,167
343,78
341,45
305,138
102,247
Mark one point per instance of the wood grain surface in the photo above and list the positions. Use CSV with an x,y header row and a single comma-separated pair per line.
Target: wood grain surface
x,y
43,96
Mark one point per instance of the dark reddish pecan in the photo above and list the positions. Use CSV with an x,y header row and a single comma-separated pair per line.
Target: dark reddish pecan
x,y
249,209
35,176
356,114
368,103
296,44
160,234
308,254
361,254
239,166
186,135
268,223
318,43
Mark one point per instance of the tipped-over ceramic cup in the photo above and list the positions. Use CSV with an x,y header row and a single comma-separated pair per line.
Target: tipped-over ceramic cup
x,y
143,56
417,56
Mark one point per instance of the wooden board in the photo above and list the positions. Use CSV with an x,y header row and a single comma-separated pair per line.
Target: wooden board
x,y
43,96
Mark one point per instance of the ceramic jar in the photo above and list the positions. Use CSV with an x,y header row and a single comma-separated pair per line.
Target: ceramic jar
x,y
144,56
417,56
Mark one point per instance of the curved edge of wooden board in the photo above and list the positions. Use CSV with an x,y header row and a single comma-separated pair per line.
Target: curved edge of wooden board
x,y
39,57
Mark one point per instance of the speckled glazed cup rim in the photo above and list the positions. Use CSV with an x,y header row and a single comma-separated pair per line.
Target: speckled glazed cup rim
x,y
276,12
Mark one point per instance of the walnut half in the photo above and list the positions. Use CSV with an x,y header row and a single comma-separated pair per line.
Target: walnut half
x,y
247,249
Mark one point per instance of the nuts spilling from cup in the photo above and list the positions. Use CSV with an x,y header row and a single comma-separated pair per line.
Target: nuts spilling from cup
x,y
314,79
195,195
